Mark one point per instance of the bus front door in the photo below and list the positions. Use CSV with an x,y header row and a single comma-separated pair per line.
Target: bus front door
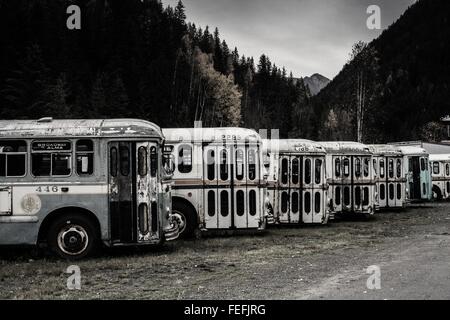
x,y
146,196
245,186
122,192
217,187
414,167
319,197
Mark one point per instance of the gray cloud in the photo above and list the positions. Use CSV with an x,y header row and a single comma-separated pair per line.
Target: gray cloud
x,y
305,36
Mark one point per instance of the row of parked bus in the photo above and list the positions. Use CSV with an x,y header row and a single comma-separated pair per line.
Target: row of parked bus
x,y
74,184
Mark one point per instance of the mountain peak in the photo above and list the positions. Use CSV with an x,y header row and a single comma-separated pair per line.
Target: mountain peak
x,y
316,83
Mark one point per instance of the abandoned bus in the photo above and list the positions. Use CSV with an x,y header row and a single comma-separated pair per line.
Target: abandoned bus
x,y
76,183
218,179
350,176
297,185
440,165
417,167
390,178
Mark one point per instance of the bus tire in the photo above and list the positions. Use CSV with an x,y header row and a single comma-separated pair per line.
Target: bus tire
x,y
73,237
186,218
437,194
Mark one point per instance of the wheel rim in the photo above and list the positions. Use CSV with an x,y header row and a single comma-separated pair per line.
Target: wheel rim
x,y
180,219
73,239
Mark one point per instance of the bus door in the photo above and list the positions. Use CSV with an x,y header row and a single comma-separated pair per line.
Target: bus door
x,y
218,194
251,192
382,178
122,192
414,188
283,189
146,186
336,183
308,189
347,183
391,183
295,190
400,188
425,179
358,184
318,189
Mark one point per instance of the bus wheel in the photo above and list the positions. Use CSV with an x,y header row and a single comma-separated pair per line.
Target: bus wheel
x,y
73,237
437,195
186,219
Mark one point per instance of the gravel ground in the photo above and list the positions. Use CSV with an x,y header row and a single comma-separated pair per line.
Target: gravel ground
x,y
411,248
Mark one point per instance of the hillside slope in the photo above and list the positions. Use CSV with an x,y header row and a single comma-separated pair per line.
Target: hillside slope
x,y
412,84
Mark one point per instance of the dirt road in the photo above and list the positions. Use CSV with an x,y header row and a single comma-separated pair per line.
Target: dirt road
x,y
411,248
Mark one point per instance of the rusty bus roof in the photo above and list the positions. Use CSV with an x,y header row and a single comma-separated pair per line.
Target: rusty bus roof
x,y
440,157
385,150
413,151
346,147
101,128
179,135
298,146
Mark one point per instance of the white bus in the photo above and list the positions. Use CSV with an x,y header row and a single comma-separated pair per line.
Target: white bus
x,y
218,179
390,176
72,184
297,187
416,162
349,169
440,170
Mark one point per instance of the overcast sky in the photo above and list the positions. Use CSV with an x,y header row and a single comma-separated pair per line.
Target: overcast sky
x,y
305,36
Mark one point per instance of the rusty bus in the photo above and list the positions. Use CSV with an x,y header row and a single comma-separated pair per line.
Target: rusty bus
x,y
218,179
440,170
390,176
73,184
297,186
349,170
417,166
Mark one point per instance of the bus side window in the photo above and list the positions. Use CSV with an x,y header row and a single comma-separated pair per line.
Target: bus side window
x,y
423,166
295,171
358,167
308,172
124,160
447,169
382,168
337,168
239,164
366,168
142,161
113,162
346,167
185,158
436,169
51,158
391,168
13,158
318,171
399,168
85,157
224,165
211,163
153,162
284,171
251,165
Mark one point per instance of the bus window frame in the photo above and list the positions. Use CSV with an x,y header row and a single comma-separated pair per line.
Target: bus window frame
x,y
84,175
71,152
25,153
